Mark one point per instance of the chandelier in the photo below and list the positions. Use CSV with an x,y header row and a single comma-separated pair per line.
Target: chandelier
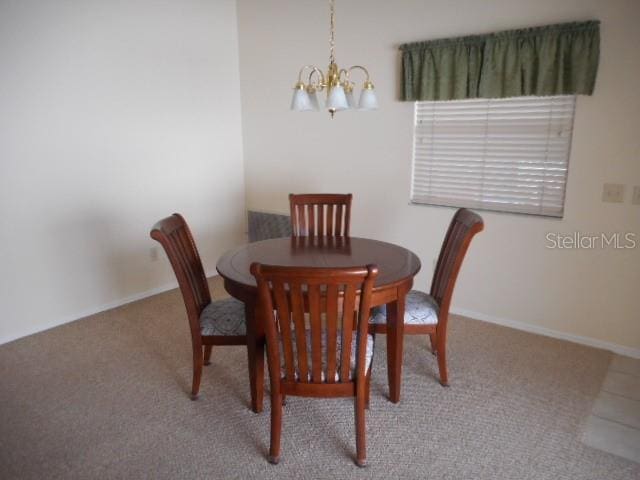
x,y
337,83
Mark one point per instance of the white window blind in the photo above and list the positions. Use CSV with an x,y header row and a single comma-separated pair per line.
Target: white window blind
x,y
507,154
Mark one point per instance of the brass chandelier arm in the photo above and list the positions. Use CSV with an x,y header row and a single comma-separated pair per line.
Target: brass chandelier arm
x,y
368,85
319,85
346,83
359,67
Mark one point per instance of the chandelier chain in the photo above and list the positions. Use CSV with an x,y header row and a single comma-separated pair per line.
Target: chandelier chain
x,y
332,42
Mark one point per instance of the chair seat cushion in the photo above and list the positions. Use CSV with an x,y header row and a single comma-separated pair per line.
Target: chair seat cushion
x,y
420,309
223,318
352,366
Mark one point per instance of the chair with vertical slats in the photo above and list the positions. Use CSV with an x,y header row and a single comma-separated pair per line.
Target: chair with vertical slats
x,y
428,313
316,322
320,214
221,322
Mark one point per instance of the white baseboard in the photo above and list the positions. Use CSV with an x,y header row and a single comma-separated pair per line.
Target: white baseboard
x,y
527,327
98,309
548,332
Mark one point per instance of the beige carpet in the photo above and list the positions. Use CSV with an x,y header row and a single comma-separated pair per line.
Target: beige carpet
x,y
106,397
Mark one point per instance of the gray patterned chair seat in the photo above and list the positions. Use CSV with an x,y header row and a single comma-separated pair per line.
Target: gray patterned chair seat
x,y
223,318
420,309
352,369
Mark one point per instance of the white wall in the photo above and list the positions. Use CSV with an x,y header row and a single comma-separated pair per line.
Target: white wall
x,y
114,114
509,275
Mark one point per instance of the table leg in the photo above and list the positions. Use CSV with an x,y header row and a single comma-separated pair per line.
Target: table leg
x,y
255,351
395,337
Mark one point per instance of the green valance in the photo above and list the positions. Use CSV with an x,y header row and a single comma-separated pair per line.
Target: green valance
x,y
552,60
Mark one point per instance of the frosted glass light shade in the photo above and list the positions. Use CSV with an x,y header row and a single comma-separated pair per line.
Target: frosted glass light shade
x,y
336,99
313,98
301,101
351,101
368,100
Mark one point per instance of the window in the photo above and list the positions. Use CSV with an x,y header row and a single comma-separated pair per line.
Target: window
x,y
507,154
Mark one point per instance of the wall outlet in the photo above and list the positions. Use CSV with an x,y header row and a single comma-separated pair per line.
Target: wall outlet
x,y
613,193
635,199
153,254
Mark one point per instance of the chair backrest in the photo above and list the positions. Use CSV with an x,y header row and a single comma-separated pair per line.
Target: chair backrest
x,y
464,225
320,214
333,303
175,237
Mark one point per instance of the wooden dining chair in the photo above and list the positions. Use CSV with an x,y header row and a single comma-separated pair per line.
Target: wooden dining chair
x,y
429,313
328,355
221,322
320,214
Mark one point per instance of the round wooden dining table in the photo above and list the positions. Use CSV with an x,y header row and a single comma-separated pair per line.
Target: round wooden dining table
x,y
397,267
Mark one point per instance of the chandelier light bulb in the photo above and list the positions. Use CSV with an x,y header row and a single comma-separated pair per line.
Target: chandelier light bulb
x,y
351,101
313,98
300,101
336,99
368,100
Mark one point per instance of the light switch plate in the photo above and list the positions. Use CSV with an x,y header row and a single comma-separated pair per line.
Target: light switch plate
x,y
635,199
613,193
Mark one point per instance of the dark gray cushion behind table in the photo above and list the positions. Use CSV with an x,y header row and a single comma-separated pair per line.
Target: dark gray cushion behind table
x,y
263,226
